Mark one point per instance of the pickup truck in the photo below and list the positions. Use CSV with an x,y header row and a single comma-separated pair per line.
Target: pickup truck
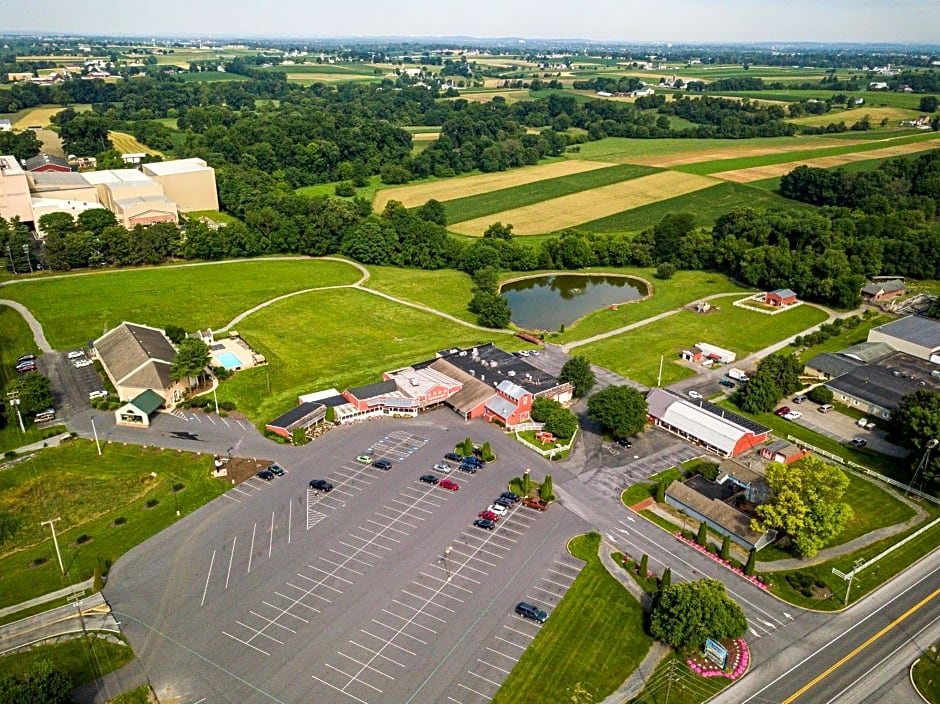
x,y
537,504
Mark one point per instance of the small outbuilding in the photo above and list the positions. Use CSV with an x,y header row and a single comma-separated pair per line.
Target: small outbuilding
x,y
780,298
883,290
137,411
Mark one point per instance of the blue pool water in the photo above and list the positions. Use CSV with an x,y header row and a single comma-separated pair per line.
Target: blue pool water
x,y
228,360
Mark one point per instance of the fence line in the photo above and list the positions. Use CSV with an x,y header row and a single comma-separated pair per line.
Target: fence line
x,y
865,470
552,450
869,563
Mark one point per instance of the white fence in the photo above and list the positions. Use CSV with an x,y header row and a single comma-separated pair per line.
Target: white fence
x,y
759,298
550,452
865,470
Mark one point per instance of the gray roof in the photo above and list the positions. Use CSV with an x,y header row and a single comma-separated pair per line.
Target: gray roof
x,y
874,385
873,289
868,351
295,417
57,180
136,355
501,406
732,520
833,365
382,388
785,292
915,329
513,391
474,391
35,162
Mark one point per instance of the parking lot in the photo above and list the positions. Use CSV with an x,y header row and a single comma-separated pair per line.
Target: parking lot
x,y
843,428
379,590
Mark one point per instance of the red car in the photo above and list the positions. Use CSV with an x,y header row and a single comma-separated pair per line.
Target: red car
x,y
782,411
449,484
489,516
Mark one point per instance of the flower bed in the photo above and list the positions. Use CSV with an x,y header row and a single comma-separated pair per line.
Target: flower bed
x,y
750,578
739,657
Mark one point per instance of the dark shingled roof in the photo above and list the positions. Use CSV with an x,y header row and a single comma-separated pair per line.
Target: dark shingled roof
x,y
915,329
875,385
137,356
833,364
312,410
42,159
381,388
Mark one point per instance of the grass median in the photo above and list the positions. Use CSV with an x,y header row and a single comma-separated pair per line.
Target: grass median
x,y
81,660
590,644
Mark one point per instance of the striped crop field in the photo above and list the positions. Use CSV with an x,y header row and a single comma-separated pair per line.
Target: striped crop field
x,y
449,189
484,204
571,210
759,173
128,144
875,115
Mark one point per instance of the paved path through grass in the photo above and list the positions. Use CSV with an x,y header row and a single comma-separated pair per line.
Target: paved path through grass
x,y
38,335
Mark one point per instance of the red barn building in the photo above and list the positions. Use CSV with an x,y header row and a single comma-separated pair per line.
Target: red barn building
x,y
780,298
44,163
510,406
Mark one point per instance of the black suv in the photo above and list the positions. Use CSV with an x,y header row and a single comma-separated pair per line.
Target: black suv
x,y
528,611
321,485
623,442
453,457
382,464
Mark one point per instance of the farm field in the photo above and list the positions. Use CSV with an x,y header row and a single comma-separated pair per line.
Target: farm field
x,y
42,116
210,76
567,211
446,290
448,189
876,115
89,492
759,173
706,205
309,345
128,144
484,204
910,101
636,354
78,308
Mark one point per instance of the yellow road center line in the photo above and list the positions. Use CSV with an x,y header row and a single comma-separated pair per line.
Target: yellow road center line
x,y
893,624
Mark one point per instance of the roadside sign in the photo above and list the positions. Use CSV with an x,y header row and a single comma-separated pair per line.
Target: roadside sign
x,y
716,652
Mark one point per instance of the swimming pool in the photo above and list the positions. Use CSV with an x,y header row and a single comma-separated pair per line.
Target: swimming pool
x,y
229,360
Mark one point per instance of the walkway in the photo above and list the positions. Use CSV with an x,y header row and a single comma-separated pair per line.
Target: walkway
x,y
45,598
38,335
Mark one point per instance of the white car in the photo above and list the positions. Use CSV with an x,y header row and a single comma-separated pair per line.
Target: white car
x,y
442,467
497,509
694,394
83,362
793,415
76,354
92,395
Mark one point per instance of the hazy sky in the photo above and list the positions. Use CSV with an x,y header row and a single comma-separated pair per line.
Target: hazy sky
x,y
614,20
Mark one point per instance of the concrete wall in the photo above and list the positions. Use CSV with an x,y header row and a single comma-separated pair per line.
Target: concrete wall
x,y
15,200
191,190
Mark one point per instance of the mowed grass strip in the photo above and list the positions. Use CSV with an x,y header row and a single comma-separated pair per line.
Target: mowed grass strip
x,y
449,189
75,309
589,645
665,153
89,493
81,660
43,116
758,173
569,211
339,338
706,205
446,290
128,144
497,201
635,354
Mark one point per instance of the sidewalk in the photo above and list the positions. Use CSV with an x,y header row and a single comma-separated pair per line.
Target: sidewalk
x,y
634,684
51,596
39,445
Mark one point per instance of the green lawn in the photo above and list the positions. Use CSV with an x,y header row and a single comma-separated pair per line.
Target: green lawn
x,y
446,290
683,288
636,354
706,205
590,644
846,338
214,215
477,206
81,662
927,675
89,492
311,343
15,340
711,167
672,682
623,149
75,309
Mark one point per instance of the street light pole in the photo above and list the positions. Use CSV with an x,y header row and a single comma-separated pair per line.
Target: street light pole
x,y
95,432
51,523
447,552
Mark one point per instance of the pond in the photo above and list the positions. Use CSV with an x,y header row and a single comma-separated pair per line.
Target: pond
x,y
548,302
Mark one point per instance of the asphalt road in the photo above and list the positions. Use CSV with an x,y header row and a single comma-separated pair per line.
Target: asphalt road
x,y
271,593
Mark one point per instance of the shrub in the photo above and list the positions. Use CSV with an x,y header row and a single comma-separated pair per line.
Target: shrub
x,y
345,189
666,270
152,502
178,486
83,538
751,562
488,455
820,394
120,521
660,492
227,405
643,567
725,548
709,470
9,454
702,537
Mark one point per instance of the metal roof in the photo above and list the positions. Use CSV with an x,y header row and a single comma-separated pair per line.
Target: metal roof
x,y
874,385
916,329
833,364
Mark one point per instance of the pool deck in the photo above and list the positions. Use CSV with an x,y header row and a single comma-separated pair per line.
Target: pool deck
x,y
240,349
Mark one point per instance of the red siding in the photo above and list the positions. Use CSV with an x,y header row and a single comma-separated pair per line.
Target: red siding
x,y
748,442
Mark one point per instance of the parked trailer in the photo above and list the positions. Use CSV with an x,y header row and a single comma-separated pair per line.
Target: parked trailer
x,y
737,374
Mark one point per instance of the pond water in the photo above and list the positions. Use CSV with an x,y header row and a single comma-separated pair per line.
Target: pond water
x,y
548,302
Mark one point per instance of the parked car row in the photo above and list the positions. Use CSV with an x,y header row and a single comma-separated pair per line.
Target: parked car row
x,y
489,517
273,470
26,363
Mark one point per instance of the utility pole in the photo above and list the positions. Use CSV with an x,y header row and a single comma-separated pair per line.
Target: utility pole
x,y
12,263
51,523
659,379
14,397
447,552
95,431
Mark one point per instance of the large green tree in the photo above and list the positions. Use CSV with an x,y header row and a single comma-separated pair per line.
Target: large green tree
x,y
42,684
35,393
561,422
620,409
776,376
577,371
915,423
192,357
687,613
805,503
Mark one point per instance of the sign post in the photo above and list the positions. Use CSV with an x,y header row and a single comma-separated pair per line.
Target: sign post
x,y
716,652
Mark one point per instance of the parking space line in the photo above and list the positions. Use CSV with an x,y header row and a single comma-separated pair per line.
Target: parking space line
x,y
329,574
374,652
231,498
487,552
540,601
444,581
364,665
440,606
473,557
362,550
211,562
388,642
508,657
352,679
336,564
361,701
434,589
311,593
547,591
306,606
256,632
515,645
418,610
255,647
321,583
371,541
470,689
495,667
562,574
485,679
279,625
251,550
396,530
447,572
422,642
530,636
390,518
472,569
271,538
299,618
350,558
557,584
410,620
379,534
